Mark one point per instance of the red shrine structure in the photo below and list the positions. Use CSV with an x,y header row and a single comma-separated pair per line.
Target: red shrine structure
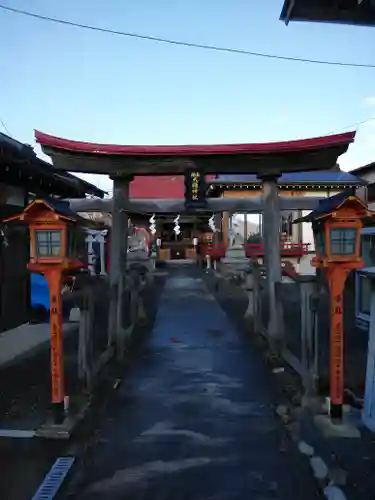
x,y
268,161
157,173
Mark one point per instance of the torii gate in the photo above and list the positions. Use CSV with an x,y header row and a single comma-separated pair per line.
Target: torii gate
x,y
268,161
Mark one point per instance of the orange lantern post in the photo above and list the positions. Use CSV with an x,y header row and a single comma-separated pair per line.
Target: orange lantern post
x,y
52,253
337,224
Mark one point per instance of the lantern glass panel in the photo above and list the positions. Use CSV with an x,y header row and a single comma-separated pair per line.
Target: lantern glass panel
x,y
320,241
343,241
48,242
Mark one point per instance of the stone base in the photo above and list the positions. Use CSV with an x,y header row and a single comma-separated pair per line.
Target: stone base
x,y
139,257
235,259
345,429
235,252
49,430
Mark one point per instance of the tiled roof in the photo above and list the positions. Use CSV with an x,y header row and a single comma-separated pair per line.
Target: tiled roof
x,y
327,206
61,207
315,177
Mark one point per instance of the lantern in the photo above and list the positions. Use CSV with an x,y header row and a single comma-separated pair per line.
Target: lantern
x,y
53,232
320,241
48,243
337,224
344,242
53,236
337,231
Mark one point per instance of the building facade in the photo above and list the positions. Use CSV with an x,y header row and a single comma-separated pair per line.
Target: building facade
x,y
296,240
24,177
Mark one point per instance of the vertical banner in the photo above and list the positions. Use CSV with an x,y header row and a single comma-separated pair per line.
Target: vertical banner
x,y
57,360
337,350
195,189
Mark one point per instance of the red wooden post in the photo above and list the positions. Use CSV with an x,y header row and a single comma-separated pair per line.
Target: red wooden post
x,y
54,278
53,251
336,277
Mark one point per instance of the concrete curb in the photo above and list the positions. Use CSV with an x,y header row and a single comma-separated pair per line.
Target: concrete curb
x,y
68,329
330,478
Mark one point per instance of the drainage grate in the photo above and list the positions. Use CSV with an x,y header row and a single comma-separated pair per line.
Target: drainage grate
x,y
54,479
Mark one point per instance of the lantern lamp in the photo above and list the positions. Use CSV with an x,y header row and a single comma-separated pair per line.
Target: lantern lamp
x,y
337,224
320,242
344,241
53,230
48,243
53,235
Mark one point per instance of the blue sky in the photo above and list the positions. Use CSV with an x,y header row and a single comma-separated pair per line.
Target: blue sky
x,y
91,86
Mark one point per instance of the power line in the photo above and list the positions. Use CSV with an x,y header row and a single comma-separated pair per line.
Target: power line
x,y
181,43
5,127
356,125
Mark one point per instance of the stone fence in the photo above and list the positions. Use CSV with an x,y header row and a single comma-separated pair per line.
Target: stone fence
x,y
304,331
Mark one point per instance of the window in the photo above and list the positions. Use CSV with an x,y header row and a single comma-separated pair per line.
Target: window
x,y
48,243
343,241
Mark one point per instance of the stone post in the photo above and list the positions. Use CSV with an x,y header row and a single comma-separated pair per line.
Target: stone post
x,y
90,253
309,320
230,232
101,240
225,228
271,236
118,255
245,234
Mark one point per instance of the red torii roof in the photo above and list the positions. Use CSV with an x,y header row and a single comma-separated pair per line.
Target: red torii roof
x,y
262,159
299,145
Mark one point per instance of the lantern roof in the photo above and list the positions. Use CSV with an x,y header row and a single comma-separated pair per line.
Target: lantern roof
x,y
328,206
61,208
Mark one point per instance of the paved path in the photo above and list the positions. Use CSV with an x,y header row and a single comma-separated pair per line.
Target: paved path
x,y
195,417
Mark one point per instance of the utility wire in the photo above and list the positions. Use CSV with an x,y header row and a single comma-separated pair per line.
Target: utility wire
x,y
354,125
184,44
5,127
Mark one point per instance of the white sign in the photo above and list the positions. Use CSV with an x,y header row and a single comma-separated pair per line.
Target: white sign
x,y
152,224
176,228
211,223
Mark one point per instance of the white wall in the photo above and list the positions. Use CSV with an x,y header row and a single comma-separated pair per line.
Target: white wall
x,y
307,232
304,266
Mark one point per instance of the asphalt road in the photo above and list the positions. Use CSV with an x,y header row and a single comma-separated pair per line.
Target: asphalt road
x,y
194,417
